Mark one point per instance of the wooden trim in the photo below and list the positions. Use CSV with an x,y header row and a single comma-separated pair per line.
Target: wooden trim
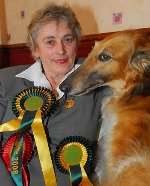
x,y
4,57
87,42
85,38
12,55
17,54
18,45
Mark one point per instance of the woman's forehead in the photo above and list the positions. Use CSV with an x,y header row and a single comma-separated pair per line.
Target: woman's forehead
x,y
54,29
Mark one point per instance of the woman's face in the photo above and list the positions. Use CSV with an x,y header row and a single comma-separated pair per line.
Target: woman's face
x,y
56,47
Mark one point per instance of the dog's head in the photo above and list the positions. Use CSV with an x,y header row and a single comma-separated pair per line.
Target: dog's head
x,y
119,61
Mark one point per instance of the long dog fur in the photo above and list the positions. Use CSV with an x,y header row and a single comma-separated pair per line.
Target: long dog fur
x,y
121,62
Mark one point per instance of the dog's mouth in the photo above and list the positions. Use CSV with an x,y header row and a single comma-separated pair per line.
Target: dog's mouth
x,y
85,89
76,86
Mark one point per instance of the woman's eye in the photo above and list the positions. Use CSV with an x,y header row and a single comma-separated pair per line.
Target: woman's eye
x,y
50,42
104,57
68,40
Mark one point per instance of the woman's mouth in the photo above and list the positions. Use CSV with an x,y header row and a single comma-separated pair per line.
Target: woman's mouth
x,y
61,61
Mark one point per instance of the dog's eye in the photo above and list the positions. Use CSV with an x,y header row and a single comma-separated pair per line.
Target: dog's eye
x,y
104,57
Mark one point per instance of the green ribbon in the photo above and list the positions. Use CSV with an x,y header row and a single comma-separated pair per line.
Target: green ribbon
x,y
16,156
16,162
75,175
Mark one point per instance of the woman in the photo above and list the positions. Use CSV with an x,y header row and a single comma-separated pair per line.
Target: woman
x,y
53,37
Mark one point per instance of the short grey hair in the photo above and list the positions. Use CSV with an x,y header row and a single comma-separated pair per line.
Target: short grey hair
x,y
52,12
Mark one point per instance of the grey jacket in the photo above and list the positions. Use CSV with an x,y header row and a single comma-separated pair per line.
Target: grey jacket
x,y
81,120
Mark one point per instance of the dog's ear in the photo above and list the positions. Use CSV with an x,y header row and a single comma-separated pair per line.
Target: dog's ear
x,y
141,61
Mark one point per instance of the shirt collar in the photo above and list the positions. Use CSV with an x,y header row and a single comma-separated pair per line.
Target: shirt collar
x,y
34,73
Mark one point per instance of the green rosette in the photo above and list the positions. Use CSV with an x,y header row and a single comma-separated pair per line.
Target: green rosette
x,y
33,99
73,155
30,106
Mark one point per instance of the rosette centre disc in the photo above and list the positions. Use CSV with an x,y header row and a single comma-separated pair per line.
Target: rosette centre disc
x,y
73,151
33,103
72,154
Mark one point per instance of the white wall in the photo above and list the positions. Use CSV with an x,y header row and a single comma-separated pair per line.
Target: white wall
x,y
135,13
95,16
15,23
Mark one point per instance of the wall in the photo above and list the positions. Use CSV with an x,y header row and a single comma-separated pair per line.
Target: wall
x,y
135,14
16,22
3,23
95,16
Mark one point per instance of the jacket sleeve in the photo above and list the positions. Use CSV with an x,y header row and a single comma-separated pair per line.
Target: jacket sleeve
x,y
3,102
5,178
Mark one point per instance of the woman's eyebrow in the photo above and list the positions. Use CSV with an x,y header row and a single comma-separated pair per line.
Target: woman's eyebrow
x,y
66,35
53,37
48,37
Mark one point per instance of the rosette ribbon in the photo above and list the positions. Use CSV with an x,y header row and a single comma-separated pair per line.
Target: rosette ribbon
x,y
72,156
30,106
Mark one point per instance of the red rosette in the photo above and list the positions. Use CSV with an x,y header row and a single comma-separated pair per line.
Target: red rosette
x,y
27,149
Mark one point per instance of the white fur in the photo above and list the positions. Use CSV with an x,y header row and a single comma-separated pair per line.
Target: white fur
x,y
128,161
109,120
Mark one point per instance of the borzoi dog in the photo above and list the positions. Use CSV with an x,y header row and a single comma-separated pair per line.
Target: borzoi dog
x,y
121,61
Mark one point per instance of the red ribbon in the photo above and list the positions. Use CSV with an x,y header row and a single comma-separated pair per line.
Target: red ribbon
x,y
26,155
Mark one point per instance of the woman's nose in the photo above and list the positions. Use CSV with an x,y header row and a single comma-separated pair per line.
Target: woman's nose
x,y
61,48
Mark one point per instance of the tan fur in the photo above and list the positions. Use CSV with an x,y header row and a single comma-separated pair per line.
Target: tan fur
x,y
126,73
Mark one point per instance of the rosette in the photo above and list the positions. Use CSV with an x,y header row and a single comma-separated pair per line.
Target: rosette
x,y
73,155
33,99
30,107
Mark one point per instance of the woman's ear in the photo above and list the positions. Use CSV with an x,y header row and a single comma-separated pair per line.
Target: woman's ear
x,y
35,53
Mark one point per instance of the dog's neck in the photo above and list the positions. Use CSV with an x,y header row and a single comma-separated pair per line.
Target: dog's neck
x,y
118,88
122,91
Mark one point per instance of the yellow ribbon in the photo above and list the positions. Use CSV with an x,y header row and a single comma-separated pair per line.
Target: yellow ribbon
x,y
85,181
41,143
43,149
11,125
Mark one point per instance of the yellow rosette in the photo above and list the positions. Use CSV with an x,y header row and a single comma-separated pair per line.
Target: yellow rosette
x,y
74,154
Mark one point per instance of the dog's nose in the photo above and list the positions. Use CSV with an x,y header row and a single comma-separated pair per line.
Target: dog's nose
x,y
64,87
